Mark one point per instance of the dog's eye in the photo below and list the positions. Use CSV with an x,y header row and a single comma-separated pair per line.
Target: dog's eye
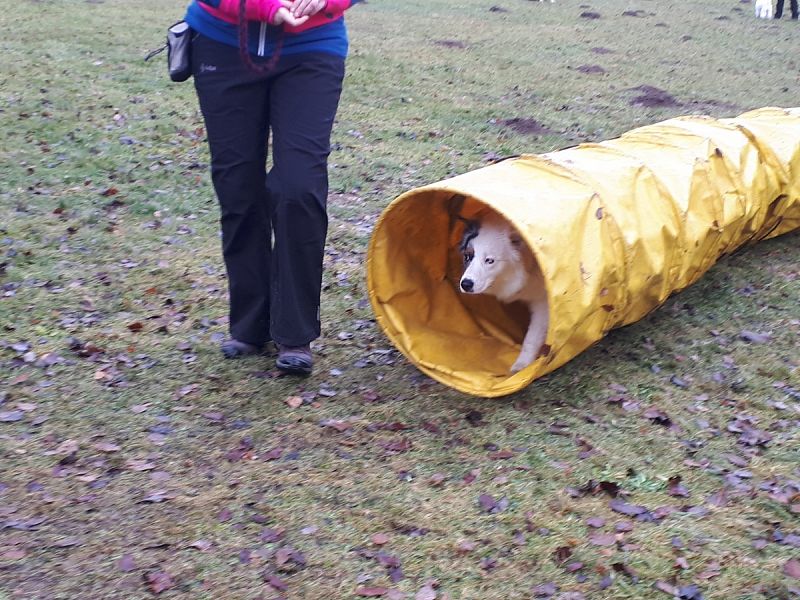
x,y
467,258
489,261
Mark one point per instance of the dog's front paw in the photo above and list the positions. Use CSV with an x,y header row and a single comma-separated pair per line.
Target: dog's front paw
x,y
521,363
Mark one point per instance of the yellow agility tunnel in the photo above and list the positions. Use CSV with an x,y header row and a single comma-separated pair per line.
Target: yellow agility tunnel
x,y
616,228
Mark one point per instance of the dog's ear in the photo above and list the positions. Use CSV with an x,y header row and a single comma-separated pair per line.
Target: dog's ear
x,y
470,231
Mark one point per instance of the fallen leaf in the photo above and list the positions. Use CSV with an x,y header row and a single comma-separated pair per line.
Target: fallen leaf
x,y
627,570
544,590
471,476
336,424
665,587
573,567
562,553
397,445
159,581
106,447
276,582
202,545
224,515
294,401
310,530
719,498
675,488
690,592
436,480
126,564
713,570
603,539
624,508
792,568
13,554
379,539
658,416
754,338
371,592
11,416
465,547
426,592
596,522
501,455
157,496
270,535
273,454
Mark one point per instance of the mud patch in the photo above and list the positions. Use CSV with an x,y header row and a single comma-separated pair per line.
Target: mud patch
x,y
498,9
451,44
650,97
634,13
525,125
591,69
601,50
591,15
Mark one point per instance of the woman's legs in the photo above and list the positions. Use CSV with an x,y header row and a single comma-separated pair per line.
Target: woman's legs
x,y
274,285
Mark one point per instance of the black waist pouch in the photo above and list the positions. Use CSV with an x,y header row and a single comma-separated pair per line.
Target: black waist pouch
x,y
179,51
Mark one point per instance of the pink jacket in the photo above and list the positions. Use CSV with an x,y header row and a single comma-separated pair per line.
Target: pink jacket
x,y
264,10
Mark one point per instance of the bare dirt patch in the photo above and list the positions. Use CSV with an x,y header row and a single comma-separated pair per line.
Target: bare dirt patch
x,y
451,44
591,69
526,125
650,96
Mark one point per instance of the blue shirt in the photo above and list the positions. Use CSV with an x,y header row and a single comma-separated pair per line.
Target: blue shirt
x,y
330,37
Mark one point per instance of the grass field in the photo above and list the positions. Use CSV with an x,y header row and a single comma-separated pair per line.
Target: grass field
x,y
134,462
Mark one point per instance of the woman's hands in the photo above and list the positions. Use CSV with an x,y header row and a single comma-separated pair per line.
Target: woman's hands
x,y
285,15
307,8
297,12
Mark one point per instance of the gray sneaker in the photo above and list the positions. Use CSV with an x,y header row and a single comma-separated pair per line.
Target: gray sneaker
x,y
232,348
295,360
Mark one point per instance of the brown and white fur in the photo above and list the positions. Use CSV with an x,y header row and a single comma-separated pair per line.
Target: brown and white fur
x,y
498,262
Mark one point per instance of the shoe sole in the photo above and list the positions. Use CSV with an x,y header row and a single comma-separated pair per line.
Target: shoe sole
x,y
293,368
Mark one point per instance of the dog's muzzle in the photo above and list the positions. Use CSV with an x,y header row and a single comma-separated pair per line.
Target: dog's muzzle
x,y
467,285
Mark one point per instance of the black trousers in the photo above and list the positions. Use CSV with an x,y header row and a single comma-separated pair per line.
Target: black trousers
x,y
273,224
779,9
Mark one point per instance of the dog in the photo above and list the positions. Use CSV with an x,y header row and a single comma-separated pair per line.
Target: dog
x,y
764,9
499,263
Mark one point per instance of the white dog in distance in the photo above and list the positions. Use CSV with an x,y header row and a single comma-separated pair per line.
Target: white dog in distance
x,y
764,9
499,263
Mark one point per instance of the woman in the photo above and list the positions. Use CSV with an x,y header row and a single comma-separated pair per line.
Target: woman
x,y
280,71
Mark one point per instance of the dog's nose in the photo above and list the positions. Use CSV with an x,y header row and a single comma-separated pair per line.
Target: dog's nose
x,y
467,285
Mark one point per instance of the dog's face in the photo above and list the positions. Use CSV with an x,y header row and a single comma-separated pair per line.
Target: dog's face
x,y
493,262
